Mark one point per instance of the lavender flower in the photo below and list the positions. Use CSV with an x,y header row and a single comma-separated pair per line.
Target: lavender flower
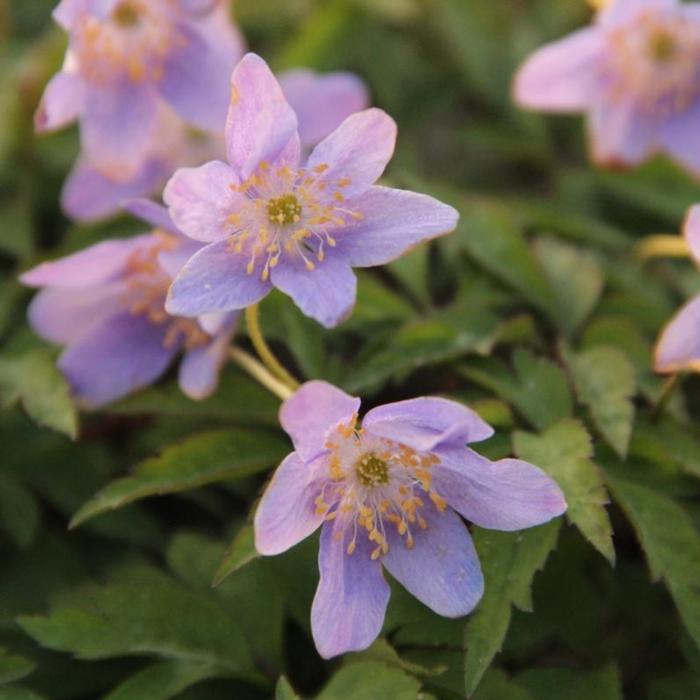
x,y
678,347
388,494
127,61
106,304
269,222
322,102
635,72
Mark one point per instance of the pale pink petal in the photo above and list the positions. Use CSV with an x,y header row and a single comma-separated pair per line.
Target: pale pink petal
x,y
61,103
678,348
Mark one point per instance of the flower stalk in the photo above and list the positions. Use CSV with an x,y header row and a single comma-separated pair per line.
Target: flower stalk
x,y
260,373
662,246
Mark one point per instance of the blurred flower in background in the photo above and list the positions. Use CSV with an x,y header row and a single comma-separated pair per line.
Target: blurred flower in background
x,y
388,494
106,304
636,74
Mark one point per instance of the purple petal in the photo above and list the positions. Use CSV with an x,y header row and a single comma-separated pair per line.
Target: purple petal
x,y
620,12
621,134
505,495
214,323
68,12
199,369
118,127
314,409
62,314
215,279
426,423
96,264
260,123
287,513
563,76
326,293
121,354
442,568
678,348
322,101
394,222
680,136
174,259
196,81
350,602
358,150
89,196
691,232
196,7
61,103
200,200
152,213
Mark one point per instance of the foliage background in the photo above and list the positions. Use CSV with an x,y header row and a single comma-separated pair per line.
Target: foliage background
x,y
536,312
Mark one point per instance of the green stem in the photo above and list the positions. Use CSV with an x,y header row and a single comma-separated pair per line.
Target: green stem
x,y
261,374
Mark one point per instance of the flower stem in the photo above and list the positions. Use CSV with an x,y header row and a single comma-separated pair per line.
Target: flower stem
x,y
662,246
260,373
252,318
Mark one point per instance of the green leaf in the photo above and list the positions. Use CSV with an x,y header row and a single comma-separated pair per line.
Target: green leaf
x,y
241,552
575,278
202,459
370,680
33,380
163,681
142,611
509,561
605,382
19,512
539,391
284,691
565,684
14,667
497,686
668,537
564,451
16,692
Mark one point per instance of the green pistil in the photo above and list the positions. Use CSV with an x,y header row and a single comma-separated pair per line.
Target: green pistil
x,y
284,210
372,471
126,15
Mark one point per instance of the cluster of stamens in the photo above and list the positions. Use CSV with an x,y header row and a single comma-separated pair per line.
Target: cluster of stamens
x,y
293,212
657,59
374,484
135,38
146,288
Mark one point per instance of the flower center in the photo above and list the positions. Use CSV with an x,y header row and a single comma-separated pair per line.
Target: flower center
x,y
372,471
284,210
126,15
288,212
146,288
374,485
656,60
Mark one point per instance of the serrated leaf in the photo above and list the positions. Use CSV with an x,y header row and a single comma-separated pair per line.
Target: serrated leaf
x,y
575,278
163,681
202,459
605,382
13,667
668,537
241,552
33,380
539,391
564,451
510,561
142,611
370,680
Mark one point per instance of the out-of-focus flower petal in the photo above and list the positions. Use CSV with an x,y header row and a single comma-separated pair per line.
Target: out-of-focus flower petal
x,y
199,369
200,200
352,595
563,76
691,232
620,12
678,348
394,221
151,212
322,101
427,423
442,568
121,354
358,150
214,280
260,122
509,494
314,409
61,102
680,136
287,513
326,293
